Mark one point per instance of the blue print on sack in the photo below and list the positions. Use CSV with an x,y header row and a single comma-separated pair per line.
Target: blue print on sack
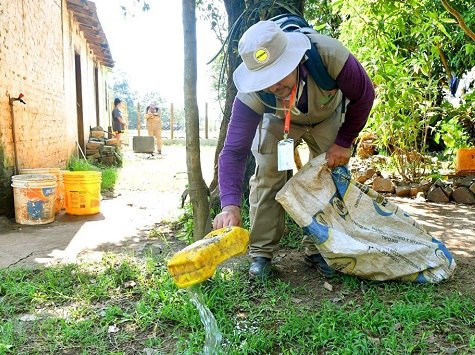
x,y
421,278
35,209
341,177
442,248
48,191
380,211
318,229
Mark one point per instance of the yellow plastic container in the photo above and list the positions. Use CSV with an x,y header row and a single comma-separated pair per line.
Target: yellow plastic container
x,y
34,198
82,191
198,261
465,163
59,203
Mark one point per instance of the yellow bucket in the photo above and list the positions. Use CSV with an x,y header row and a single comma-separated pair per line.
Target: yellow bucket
x,y
59,203
34,198
82,191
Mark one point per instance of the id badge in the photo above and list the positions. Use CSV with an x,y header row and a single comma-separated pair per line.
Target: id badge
x,y
285,155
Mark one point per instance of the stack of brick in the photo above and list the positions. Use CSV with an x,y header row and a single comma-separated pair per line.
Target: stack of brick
x,y
102,150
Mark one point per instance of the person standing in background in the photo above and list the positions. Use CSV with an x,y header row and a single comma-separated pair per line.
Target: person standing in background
x,y
118,122
154,124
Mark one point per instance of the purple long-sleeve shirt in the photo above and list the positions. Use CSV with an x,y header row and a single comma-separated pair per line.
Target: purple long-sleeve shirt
x,y
355,85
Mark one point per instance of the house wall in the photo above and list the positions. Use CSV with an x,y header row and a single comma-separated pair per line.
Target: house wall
x,y
38,42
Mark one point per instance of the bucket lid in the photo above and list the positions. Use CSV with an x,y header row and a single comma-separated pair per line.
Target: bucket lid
x,y
34,180
82,173
39,170
33,177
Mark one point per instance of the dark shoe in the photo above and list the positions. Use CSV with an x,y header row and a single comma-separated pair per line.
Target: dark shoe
x,y
260,267
317,262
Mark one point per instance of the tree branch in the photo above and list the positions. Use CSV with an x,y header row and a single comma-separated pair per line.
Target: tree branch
x,y
444,62
459,18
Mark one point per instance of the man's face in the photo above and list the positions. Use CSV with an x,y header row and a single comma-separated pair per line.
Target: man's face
x,y
283,88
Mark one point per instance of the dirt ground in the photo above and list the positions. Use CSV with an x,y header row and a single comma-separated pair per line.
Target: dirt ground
x,y
149,193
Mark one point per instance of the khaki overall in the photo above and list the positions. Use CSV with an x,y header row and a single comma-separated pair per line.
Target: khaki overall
x,y
154,128
267,215
318,128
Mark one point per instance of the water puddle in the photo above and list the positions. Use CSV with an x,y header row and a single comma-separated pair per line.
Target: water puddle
x,y
213,336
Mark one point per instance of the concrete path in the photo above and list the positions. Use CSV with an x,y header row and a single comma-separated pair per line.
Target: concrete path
x,y
148,191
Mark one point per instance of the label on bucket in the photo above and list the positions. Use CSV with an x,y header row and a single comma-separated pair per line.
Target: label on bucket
x,y
38,209
82,190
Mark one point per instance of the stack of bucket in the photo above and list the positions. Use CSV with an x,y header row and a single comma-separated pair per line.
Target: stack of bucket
x,y
41,193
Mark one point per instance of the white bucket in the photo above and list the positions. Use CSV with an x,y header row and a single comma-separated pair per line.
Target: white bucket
x,y
34,198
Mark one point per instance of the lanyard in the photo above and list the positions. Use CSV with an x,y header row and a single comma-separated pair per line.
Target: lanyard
x,y
287,111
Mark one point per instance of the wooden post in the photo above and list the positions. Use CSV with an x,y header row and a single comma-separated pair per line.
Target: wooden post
x,y
206,120
171,121
139,119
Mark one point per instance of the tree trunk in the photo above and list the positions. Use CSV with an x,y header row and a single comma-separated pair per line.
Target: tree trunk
x,y
197,188
234,9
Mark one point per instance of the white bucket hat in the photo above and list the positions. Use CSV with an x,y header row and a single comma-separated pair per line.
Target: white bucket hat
x,y
269,55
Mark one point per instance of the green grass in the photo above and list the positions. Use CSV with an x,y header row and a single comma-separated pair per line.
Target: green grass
x,y
109,174
109,178
93,309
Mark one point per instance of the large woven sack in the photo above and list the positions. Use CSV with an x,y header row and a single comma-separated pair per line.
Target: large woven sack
x,y
360,232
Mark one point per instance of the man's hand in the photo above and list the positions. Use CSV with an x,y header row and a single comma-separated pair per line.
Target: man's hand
x,y
230,216
338,156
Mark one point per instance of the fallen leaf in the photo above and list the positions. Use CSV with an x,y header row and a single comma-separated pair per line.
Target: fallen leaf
x,y
375,340
337,299
112,329
28,318
363,287
129,284
241,315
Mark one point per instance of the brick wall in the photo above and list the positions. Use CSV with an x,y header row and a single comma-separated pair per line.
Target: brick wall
x,y
38,43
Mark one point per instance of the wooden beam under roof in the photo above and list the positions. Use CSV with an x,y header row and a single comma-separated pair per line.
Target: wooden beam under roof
x,y
85,14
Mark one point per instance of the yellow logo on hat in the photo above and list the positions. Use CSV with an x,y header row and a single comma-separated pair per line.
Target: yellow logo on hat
x,y
261,55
